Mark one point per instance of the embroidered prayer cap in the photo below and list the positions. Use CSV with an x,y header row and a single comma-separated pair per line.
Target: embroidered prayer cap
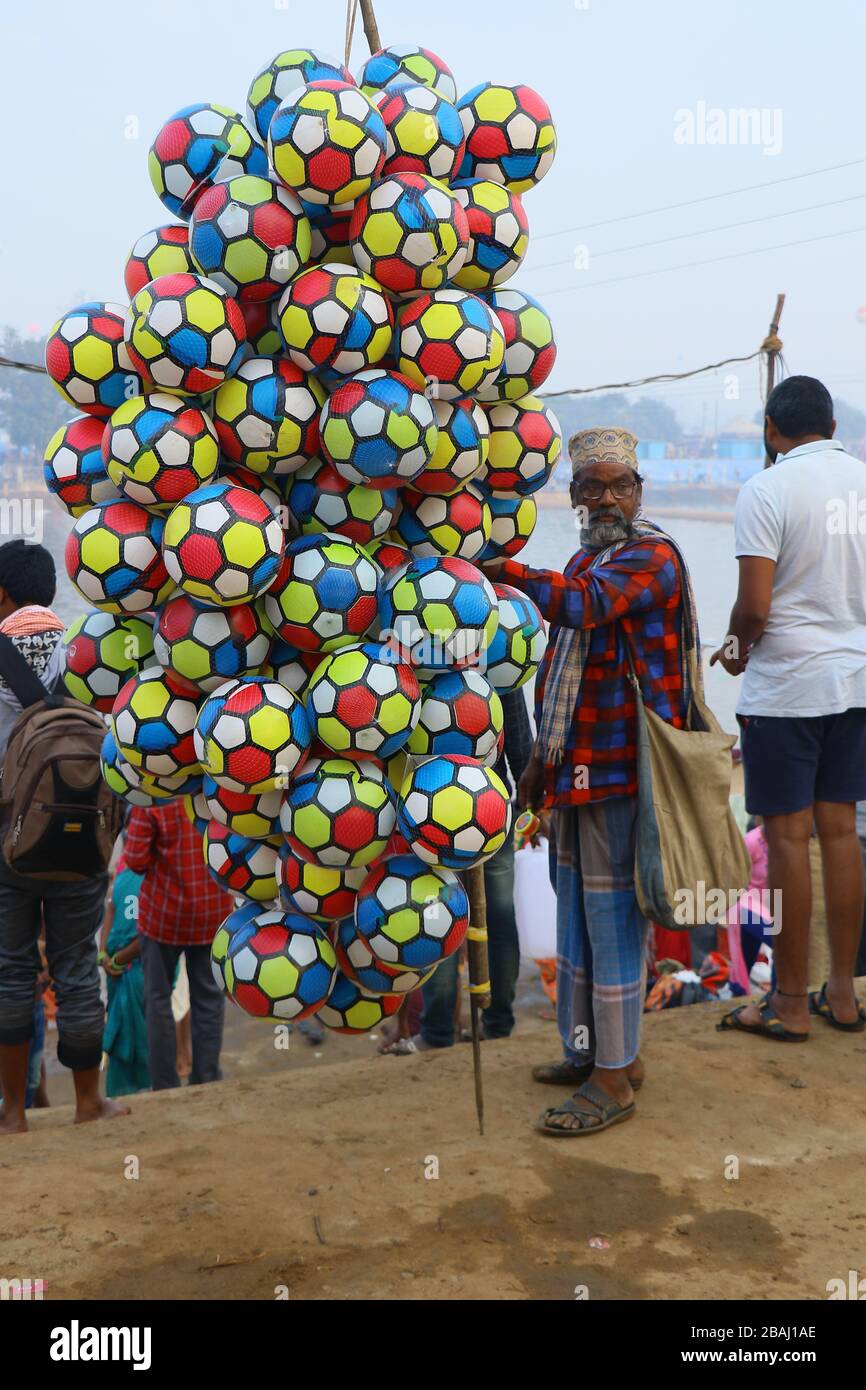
x,y
602,446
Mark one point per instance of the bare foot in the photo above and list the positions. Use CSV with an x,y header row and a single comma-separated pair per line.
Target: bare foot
x,y
13,1124
102,1110
636,1072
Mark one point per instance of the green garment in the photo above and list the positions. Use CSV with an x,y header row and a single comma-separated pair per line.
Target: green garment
x,y
125,1036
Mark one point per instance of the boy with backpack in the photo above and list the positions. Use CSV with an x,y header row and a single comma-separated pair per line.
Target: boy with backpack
x,y
56,832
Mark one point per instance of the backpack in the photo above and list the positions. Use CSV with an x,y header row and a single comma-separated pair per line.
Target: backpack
x,y
58,818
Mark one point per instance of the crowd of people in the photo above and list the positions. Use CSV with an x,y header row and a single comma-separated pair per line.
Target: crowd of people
x,y
623,609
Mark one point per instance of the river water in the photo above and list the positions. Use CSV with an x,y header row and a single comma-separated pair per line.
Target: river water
x,y
707,545
709,550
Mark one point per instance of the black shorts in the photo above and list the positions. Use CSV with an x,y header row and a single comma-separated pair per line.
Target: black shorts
x,y
790,763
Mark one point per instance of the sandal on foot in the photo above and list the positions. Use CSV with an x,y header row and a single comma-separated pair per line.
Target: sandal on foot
x,y
771,1026
819,1005
563,1073
600,1112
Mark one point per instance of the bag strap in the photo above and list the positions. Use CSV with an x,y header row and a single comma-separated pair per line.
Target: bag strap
x,y
692,667
22,680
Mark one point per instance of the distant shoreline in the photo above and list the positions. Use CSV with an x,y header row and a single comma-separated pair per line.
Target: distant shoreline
x,y
559,501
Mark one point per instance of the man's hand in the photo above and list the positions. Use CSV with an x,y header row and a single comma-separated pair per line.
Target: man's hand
x,y
530,788
728,656
492,568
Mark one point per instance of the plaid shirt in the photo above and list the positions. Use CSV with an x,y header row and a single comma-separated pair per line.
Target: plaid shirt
x,y
178,903
639,590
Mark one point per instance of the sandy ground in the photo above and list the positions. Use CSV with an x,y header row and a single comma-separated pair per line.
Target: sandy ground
x,y
310,1172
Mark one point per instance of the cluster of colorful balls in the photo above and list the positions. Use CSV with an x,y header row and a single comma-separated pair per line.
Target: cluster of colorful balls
x,y
312,422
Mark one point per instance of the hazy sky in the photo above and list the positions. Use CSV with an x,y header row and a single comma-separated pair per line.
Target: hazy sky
x,y
623,78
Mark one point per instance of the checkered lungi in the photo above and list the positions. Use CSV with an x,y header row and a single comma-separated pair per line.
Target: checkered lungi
x,y
600,932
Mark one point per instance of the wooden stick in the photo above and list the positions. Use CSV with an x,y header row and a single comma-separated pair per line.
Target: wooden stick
x,y
774,347
479,970
371,28
479,975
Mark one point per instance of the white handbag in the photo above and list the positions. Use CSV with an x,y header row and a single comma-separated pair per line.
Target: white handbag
x,y
534,902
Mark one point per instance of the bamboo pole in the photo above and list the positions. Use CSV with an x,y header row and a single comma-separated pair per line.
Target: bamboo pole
x,y
476,936
371,28
773,345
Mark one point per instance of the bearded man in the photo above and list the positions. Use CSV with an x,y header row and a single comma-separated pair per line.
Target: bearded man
x,y
624,598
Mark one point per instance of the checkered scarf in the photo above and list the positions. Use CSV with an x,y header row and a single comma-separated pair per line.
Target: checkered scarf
x,y
36,632
562,689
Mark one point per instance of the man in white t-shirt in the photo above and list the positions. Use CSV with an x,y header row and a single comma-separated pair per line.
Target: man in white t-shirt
x,y
798,637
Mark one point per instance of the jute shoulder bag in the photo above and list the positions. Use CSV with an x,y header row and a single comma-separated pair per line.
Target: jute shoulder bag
x,y
691,862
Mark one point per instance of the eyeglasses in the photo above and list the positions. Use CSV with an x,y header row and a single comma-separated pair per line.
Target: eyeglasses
x,y
593,491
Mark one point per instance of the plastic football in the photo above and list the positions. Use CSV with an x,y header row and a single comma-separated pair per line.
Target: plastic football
x,y
162,251
329,228
236,922
87,358
498,233
253,814
411,914
455,525
282,76
264,338
410,233
113,557
439,613
314,890
461,447
449,342
362,702
320,499
460,713
510,136
377,429
525,444
290,667
424,131
102,651
184,334
252,735
249,236
324,595
530,349
388,556
334,316
399,63
519,643
239,865
512,523
351,1009
364,968
267,416
152,721
327,142
454,812
73,467
195,147
339,813
208,646
223,544
281,966
137,788
158,448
